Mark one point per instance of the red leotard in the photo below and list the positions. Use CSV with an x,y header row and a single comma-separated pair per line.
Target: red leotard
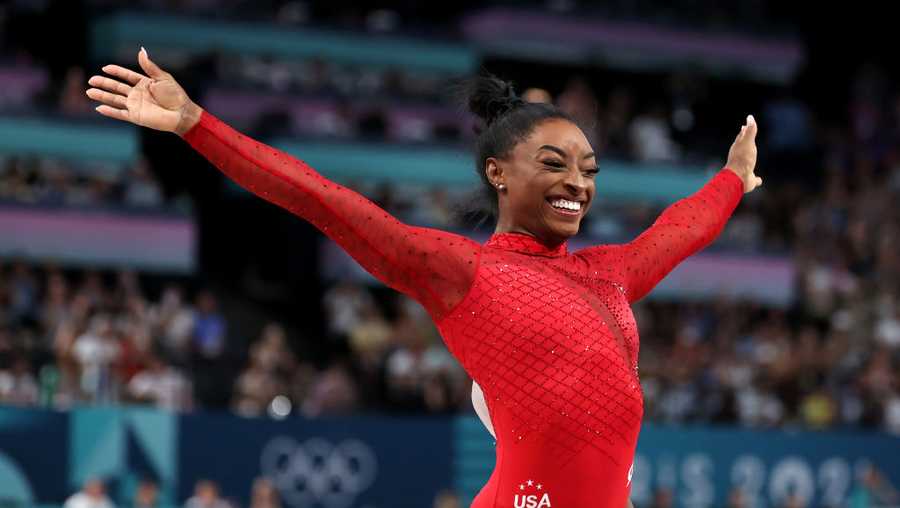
x,y
548,334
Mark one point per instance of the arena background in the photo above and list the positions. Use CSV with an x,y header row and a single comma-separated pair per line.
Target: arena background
x,y
170,340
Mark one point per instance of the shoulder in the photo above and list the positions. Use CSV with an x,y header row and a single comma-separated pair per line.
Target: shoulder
x,y
606,261
602,252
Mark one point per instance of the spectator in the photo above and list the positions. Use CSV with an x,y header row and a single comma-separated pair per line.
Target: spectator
x,y
96,351
161,385
887,330
206,495
663,498
209,327
439,394
793,501
345,303
255,388
370,338
271,352
737,499
891,413
146,495
23,295
447,499
92,495
17,385
650,137
818,410
264,494
333,392
872,489
55,307
174,322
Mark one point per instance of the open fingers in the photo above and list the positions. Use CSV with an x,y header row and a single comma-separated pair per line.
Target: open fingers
x,y
114,100
127,75
110,85
118,114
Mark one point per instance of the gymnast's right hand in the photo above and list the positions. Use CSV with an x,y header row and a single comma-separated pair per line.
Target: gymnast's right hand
x,y
153,100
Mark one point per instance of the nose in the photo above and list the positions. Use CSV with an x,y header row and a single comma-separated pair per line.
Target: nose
x,y
575,182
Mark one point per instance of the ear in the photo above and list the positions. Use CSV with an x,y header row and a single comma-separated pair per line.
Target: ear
x,y
494,171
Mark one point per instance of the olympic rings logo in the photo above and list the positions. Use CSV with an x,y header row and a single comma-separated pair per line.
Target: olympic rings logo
x,y
317,473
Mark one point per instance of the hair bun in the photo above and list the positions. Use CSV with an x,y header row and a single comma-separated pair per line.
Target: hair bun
x,y
489,97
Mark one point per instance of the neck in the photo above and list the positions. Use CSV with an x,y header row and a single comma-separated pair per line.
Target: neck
x,y
549,241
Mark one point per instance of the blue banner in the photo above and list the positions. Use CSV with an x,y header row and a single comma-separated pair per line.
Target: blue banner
x,y
701,466
378,462
363,462
33,456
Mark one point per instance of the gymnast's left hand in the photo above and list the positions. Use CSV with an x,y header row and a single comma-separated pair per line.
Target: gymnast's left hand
x,y
153,100
742,155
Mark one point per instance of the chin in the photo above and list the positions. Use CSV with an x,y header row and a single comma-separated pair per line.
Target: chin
x,y
566,230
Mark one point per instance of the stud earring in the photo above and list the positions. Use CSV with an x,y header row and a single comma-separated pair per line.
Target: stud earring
x,y
500,186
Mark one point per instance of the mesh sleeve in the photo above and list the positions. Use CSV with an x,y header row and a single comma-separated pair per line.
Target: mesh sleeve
x,y
434,267
683,229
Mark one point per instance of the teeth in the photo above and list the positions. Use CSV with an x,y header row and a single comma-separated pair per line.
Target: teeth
x,y
569,205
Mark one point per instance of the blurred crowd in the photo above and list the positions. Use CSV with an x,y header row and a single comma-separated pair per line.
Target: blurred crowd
x,y
92,337
59,183
64,342
832,358
652,118
828,361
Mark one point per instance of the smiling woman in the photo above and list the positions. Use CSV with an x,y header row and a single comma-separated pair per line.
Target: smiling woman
x,y
555,165
548,335
540,162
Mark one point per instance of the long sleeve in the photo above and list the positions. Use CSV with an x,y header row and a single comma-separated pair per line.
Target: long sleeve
x,y
434,267
683,229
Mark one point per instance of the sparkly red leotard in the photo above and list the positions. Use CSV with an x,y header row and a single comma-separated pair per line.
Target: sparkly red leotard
x,y
548,334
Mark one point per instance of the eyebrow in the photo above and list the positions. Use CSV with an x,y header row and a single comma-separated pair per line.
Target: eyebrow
x,y
562,153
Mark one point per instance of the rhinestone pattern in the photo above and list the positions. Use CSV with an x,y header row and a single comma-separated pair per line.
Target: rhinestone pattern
x,y
549,335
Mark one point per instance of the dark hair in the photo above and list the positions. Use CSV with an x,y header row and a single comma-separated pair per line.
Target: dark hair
x,y
505,120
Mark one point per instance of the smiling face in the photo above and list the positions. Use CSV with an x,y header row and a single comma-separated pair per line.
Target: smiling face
x,y
549,182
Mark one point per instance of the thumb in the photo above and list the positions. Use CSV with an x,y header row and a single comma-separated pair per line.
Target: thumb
x,y
149,67
751,127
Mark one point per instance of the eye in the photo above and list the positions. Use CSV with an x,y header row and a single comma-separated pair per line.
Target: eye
x,y
591,172
553,163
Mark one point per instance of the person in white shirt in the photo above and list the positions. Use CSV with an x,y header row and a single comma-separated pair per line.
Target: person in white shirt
x,y
92,495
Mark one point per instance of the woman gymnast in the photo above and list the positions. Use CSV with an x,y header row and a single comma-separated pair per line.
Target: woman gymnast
x,y
547,334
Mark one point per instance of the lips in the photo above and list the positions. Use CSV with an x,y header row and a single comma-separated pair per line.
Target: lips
x,y
562,211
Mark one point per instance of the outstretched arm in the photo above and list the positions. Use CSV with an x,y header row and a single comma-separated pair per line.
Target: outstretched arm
x,y
683,228
434,267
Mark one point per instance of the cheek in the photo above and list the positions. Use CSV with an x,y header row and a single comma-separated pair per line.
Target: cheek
x,y
592,195
530,192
